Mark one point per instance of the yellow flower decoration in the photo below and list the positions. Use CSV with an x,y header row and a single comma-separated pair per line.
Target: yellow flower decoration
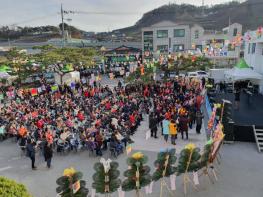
x,y
137,155
190,146
69,172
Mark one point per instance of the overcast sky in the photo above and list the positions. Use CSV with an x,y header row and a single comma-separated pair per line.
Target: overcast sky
x,y
45,12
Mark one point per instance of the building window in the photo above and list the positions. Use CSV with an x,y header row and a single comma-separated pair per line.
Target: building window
x,y
179,32
162,48
148,40
249,45
196,34
253,48
178,47
235,32
162,33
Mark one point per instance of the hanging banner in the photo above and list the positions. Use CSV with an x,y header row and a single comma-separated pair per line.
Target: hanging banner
x,y
173,182
76,187
54,88
195,178
33,91
39,90
10,94
72,85
120,192
83,80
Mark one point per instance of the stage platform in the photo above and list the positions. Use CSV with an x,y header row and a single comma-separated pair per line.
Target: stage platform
x,y
249,113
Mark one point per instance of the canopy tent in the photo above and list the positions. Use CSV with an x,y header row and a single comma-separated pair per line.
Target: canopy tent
x,y
242,72
4,68
4,75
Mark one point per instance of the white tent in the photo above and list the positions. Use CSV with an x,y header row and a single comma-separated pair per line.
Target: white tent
x,y
4,75
237,74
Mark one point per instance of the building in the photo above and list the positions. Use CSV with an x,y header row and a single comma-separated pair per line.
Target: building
x,y
253,53
167,36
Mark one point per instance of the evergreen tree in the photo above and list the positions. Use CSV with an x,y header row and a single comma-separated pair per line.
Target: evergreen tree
x,y
164,164
71,185
106,178
138,173
189,159
204,160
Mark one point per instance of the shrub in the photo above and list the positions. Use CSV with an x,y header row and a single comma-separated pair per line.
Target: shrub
x,y
10,188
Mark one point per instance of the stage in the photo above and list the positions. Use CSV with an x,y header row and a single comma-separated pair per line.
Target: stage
x,y
249,114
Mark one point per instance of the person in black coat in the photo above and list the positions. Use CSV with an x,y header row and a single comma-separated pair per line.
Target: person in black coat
x,y
30,151
48,154
153,124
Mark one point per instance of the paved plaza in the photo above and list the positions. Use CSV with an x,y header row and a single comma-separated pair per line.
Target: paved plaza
x,y
240,171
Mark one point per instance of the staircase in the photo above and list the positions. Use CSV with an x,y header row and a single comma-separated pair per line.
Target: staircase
x,y
259,138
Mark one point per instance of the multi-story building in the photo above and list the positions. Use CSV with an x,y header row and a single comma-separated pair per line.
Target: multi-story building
x,y
253,53
167,36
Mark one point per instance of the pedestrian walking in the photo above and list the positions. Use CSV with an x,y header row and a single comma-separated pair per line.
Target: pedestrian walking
x,y
30,149
199,121
153,124
183,124
48,154
173,131
166,131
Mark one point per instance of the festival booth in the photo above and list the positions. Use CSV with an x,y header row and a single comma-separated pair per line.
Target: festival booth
x,y
123,54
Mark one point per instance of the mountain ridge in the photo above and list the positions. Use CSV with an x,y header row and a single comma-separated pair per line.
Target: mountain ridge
x,y
248,13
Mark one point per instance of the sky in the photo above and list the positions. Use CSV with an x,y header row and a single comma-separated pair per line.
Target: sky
x,y
46,12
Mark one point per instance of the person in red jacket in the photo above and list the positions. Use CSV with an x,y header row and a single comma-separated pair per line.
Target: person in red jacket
x,y
132,119
40,123
108,105
80,116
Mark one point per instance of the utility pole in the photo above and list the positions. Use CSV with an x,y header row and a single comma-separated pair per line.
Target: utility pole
x,y
203,7
63,30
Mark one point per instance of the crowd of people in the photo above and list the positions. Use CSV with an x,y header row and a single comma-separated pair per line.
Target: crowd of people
x,y
176,107
98,118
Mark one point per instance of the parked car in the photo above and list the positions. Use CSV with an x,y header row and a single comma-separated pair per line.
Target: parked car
x,y
171,75
202,74
198,74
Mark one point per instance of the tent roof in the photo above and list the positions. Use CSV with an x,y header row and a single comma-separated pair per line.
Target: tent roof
x,y
4,68
241,64
236,74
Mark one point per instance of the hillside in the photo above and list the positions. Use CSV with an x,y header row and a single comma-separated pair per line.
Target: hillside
x,y
37,34
249,14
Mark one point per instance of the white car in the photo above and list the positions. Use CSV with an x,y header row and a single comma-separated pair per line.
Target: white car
x,y
198,74
202,74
